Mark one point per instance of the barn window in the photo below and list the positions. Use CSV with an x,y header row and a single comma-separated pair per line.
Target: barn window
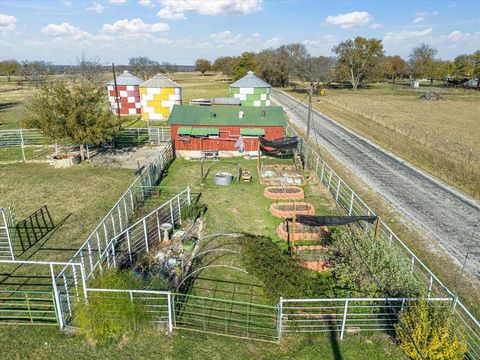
x,y
252,132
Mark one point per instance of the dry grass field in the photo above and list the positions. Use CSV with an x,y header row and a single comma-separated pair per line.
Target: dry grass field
x,y
194,85
440,137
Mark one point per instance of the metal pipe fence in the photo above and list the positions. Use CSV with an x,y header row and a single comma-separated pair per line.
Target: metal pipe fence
x,y
6,236
30,144
352,204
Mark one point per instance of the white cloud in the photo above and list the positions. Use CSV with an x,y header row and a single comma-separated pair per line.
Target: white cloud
x,y
176,9
134,26
66,31
349,20
418,19
67,2
458,36
63,29
117,1
7,22
147,3
97,7
274,42
225,37
376,26
406,36
163,41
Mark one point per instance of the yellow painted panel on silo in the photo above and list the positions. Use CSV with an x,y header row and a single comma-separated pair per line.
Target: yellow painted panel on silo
x,y
168,91
152,103
143,90
157,109
160,97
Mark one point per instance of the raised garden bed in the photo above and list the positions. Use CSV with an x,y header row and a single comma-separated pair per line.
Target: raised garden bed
x,y
289,209
302,232
284,192
316,265
280,175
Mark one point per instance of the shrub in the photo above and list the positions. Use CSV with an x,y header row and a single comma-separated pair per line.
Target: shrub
x,y
192,212
281,275
432,329
390,269
108,316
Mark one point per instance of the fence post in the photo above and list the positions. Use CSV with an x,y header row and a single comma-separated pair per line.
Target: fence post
x,y
189,200
338,189
171,213
58,308
351,205
170,318
145,233
22,145
84,282
344,320
279,319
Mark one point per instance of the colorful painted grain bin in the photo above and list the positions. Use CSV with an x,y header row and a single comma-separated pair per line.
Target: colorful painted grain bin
x,y
251,90
128,94
157,96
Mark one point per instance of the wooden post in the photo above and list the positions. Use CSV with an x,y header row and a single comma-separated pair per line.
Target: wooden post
x,y
377,227
258,150
292,235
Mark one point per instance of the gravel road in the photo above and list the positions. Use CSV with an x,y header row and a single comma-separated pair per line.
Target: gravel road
x,y
441,212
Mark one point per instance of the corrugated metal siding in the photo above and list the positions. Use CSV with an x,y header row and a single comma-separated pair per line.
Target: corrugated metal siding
x,y
226,141
128,98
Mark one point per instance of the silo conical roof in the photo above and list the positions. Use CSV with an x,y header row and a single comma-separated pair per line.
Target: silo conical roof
x,y
250,81
160,81
126,78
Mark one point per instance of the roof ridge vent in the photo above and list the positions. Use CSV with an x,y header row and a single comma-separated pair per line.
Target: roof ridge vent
x,y
241,114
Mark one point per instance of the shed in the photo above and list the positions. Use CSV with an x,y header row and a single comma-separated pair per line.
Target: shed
x,y
128,94
251,90
158,95
218,128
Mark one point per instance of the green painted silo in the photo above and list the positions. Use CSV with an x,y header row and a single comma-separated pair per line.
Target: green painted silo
x,y
251,90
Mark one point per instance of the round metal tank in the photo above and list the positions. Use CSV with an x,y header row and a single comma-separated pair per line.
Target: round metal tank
x,y
223,178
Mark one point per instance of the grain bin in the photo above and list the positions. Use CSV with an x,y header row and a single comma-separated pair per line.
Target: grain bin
x,y
251,90
157,97
128,94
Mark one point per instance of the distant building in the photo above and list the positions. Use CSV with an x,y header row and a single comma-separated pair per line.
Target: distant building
x,y
219,128
251,90
128,94
157,97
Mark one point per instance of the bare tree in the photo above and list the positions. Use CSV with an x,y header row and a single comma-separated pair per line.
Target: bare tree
x,y
35,71
422,60
144,67
89,69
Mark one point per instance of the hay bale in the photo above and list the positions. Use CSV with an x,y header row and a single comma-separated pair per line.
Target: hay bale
x,y
431,95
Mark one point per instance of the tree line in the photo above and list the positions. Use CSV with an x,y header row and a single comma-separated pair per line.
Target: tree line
x,y
357,61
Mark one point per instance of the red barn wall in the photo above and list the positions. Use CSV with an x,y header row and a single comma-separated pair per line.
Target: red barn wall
x,y
226,140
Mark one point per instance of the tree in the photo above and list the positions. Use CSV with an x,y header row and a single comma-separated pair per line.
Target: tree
x,y
394,66
224,65
35,71
246,62
8,68
75,112
88,70
143,66
358,58
422,60
432,329
203,65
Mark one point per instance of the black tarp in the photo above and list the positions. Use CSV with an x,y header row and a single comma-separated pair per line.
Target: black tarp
x,y
288,142
280,154
317,220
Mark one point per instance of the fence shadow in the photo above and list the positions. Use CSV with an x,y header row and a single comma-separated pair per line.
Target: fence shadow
x,y
34,228
337,354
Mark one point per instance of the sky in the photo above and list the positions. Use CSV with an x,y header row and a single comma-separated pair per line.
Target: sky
x,y
181,31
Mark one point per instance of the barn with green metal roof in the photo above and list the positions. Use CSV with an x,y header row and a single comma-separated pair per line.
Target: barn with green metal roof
x,y
219,128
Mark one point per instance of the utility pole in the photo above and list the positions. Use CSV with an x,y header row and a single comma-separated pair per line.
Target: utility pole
x,y
309,117
116,90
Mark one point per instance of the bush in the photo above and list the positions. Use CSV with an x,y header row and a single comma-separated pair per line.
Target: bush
x,y
432,329
391,270
108,316
192,212
281,275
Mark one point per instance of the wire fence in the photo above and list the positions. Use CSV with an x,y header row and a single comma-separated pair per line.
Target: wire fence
x,y
30,145
353,205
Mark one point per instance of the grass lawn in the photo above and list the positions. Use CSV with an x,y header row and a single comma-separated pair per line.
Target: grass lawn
x,y
21,342
440,137
239,207
77,199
